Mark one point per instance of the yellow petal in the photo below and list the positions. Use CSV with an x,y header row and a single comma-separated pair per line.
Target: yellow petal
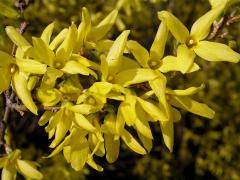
x,y
62,128
120,122
177,28
49,97
175,114
202,26
213,51
147,143
31,66
170,63
8,173
112,147
186,92
58,39
168,134
3,161
16,37
110,123
143,127
32,82
155,112
158,85
65,49
74,67
43,52
50,77
132,143
28,170
101,88
158,45
8,11
139,52
5,60
79,155
127,109
95,166
128,63
135,76
99,31
84,109
104,68
45,118
192,106
47,33
115,53
104,45
20,86
84,123
5,80
83,29
185,58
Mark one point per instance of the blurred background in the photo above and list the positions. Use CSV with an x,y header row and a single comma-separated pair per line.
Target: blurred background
x,y
203,148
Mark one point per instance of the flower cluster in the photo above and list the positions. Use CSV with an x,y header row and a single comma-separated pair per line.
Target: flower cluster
x,y
102,90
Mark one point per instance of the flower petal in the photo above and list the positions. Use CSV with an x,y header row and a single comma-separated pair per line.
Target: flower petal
x,y
83,29
139,52
79,155
212,51
192,106
28,170
5,80
58,39
5,60
185,58
201,28
112,147
84,123
115,53
177,28
158,85
170,63
74,67
168,133
147,143
158,46
47,33
42,52
65,49
99,31
132,143
20,86
8,173
152,110
31,66
135,76
186,92
16,37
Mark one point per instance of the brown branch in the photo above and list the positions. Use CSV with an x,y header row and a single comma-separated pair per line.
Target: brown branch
x,y
21,108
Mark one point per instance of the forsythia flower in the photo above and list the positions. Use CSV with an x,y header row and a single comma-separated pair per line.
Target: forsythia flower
x,y
194,42
12,163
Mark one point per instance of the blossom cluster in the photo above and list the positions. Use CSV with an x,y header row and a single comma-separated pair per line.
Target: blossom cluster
x,y
106,92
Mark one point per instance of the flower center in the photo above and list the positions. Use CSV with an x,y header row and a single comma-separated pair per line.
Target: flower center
x,y
13,68
110,78
154,64
191,42
91,100
58,65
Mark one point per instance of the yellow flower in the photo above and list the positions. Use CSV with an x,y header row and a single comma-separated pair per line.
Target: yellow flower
x,y
17,71
12,163
194,42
